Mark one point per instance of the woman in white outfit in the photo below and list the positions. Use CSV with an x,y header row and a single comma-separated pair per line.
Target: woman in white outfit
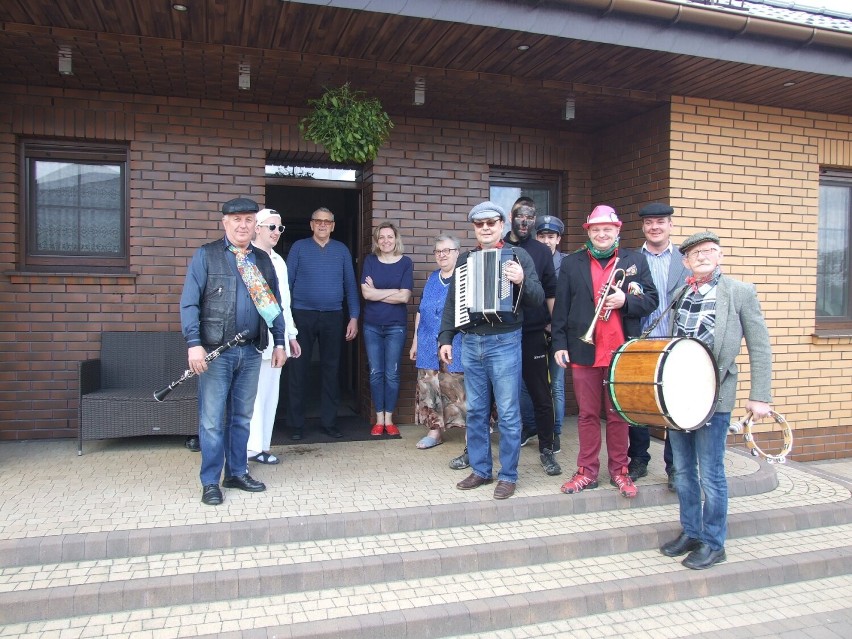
x,y
267,234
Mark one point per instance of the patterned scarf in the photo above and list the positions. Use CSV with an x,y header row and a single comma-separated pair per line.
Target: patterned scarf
x,y
697,282
261,295
597,253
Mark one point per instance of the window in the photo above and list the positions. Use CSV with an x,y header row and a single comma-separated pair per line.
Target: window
x,y
508,186
75,207
834,285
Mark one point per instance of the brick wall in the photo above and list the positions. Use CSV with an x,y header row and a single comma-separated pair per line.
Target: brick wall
x,y
751,174
748,172
186,158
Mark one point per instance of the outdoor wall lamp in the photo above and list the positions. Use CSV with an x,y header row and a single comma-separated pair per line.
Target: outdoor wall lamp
x,y
245,76
570,109
66,64
419,91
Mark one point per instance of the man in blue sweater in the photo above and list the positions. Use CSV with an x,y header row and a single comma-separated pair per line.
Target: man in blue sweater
x,y
321,274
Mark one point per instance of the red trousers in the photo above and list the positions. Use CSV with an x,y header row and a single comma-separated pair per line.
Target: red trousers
x,y
589,390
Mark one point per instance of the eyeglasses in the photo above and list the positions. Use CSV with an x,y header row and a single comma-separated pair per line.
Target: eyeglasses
x,y
491,222
322,222
443,252
707,252
272,227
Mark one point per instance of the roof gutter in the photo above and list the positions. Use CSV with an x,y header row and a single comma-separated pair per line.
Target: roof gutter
x,y
736,22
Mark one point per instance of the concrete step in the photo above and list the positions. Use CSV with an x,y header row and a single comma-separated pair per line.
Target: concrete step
x,y
478,600
810,608
527,550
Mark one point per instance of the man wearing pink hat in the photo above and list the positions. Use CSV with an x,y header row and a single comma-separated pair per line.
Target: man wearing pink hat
x,y
582,279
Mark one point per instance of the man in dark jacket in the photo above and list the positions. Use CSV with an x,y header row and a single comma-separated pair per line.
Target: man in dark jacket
x,y
229,289
534,343
491,352
583,277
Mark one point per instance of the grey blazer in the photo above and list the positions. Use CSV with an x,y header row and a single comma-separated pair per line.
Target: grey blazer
x,y
738,315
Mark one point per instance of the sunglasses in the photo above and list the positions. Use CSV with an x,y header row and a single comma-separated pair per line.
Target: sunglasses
x,y
273,227
322,222
490,222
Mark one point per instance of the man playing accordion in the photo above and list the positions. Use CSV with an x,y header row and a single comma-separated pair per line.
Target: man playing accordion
x,y
491,356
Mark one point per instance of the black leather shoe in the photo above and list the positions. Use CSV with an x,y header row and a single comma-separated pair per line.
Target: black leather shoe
x,y
296,436
637,469
211,495
332,431
680,546
193,444
704,557
244,482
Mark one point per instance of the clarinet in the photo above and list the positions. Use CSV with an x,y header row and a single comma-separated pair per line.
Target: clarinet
x,y
161,394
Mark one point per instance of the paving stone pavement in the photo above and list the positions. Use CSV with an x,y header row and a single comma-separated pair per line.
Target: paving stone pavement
x,y
376,541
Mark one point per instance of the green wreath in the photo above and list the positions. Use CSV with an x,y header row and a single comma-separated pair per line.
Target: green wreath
x,y
350,126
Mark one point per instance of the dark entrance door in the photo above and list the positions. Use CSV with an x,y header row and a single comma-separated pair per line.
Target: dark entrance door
x,y
295,204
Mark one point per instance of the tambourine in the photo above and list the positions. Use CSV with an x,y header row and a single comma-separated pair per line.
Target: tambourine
x,y
744,426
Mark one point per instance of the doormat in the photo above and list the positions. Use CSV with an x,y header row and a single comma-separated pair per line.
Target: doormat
x,y
353,427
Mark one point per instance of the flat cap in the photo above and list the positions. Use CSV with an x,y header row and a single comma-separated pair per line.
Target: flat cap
x,y
485,210
240,205
549,223
698,238
656,209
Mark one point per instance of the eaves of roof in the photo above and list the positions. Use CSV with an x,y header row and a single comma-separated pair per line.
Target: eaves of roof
x,y
660,25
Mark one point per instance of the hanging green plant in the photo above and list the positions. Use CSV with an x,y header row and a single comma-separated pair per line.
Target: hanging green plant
x,y
349,125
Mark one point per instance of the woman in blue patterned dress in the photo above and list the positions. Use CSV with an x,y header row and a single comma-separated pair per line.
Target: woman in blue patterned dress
x,y
439,397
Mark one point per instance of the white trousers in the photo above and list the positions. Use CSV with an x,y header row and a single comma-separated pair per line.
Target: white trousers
x,y
265,406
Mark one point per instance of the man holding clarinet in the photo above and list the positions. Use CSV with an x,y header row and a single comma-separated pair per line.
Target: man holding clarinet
x,y
229,289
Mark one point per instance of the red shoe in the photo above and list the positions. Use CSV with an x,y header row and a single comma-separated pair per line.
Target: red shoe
x,y
390,429
578,482
377,431
624,484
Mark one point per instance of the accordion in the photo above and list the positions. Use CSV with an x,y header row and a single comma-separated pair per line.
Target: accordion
x,y
481,286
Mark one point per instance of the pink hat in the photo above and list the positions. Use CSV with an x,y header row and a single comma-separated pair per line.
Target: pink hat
x,y
602,214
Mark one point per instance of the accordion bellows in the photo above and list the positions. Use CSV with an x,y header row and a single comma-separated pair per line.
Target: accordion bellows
x,y
481,286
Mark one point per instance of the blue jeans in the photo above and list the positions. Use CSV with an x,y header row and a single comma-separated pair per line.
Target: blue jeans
x,y
226,394
492,364
699,463
384,349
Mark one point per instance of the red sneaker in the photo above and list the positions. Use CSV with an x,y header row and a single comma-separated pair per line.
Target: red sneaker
x,y
378,429
390,429
624,484
578,482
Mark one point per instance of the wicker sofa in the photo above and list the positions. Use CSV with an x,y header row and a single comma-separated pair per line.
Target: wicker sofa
x,y
117,390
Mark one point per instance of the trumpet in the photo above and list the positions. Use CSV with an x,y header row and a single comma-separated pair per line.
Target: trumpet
x,y
616,279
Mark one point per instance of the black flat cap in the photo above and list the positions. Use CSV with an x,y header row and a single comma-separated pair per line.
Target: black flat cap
x,y
698,238
240,205
656,209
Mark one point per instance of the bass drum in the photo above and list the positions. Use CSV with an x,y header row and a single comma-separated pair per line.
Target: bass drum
x,y
672,383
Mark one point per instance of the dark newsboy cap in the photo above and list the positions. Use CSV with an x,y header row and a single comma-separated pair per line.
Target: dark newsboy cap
x,y
656,209
698,238
240,205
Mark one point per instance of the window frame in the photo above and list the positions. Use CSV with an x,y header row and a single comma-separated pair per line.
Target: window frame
x,y
831,324
31,151
530,178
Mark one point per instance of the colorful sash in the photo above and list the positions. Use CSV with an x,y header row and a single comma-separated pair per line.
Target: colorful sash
x,y
261,295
